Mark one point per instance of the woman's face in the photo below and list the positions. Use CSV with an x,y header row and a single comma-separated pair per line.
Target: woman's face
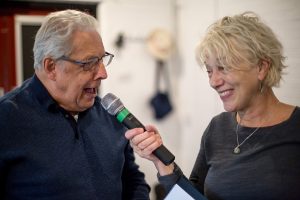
x,y
238,89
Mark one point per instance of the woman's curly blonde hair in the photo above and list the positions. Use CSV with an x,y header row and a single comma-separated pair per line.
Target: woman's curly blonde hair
x,y
243,38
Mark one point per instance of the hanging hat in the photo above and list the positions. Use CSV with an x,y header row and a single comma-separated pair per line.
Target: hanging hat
x,y
160,44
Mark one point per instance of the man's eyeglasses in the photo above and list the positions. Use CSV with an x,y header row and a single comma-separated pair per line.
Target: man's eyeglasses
x,y
90,64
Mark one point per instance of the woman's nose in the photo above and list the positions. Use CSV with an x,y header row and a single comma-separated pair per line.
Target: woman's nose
x,y
216,79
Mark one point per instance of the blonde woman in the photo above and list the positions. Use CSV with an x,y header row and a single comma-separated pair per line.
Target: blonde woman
x,y
252,150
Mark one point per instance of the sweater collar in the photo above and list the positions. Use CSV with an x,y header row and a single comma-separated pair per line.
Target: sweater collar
x,y
42,95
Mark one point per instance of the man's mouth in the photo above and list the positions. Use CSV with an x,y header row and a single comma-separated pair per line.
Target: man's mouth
x,y
90,90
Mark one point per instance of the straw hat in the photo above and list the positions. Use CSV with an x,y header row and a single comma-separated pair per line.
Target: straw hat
x,y
160,44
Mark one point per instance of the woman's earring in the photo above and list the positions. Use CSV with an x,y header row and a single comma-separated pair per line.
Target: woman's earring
x,y
261,87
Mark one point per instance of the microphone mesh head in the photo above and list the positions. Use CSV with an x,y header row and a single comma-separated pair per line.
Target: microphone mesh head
x,y
111,103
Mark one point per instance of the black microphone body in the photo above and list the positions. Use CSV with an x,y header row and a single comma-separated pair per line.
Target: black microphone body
x,y
115,107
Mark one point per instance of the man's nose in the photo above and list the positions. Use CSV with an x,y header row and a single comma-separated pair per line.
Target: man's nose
x,y
101,72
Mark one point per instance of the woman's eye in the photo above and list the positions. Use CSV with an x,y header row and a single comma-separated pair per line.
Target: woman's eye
x,y
220,68
209,73
224,70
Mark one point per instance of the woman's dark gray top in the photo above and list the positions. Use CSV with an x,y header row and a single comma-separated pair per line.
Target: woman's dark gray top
x,y
268,166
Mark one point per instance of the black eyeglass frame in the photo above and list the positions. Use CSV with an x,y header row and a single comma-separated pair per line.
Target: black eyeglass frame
x,y
90,63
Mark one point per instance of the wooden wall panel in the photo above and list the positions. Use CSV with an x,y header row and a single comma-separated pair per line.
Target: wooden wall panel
x,y
7,53
10,8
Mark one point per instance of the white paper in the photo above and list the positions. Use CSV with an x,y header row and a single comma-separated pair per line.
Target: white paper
x,y
177,193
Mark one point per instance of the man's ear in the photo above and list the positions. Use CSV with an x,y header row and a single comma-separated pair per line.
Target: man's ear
x,y
50,68
264,66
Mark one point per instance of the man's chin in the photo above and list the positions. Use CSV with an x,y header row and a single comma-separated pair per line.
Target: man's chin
x,y
88,104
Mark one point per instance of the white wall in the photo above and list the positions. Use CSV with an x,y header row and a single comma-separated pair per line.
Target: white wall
x,y
131,75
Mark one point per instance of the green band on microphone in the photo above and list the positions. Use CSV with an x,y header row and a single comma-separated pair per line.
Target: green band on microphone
x,y
122,115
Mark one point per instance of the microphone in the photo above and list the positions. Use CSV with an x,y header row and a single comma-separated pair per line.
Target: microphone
x,y
115,107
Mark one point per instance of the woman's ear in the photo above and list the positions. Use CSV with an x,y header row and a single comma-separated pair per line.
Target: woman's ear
x,y
263,66
50,68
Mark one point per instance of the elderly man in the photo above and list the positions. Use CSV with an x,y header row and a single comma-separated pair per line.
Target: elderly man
x,y
56,141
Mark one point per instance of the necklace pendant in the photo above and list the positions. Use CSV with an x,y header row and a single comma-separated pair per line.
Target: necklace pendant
x,y
236,150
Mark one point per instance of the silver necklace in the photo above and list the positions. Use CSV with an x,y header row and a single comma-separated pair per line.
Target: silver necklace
x,y
237,149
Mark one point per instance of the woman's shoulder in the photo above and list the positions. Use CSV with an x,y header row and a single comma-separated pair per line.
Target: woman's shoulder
x,y
295,115
288,112
297,110
224,119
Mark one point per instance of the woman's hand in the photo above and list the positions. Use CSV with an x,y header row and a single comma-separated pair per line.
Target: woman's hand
x,y
144,143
